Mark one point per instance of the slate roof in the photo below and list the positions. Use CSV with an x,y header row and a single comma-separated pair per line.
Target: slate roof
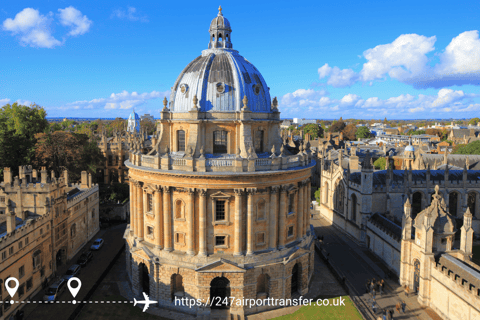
x,y
386,225
457,160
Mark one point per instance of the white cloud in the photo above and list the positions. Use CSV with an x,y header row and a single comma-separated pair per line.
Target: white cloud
x,y
4,102
405,59
71,17
447,96
445,102
32,28
24,102
130,14
122,100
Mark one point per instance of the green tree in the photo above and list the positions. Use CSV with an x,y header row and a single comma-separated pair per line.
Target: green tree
x,y
18,126
362,132
317,196
380,164
148,125
315,130
471,148
474,121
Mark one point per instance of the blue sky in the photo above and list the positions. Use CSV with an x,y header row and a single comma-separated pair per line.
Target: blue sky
x,y
355,59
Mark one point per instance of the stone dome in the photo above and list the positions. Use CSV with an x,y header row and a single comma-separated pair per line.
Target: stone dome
x,y
220,78
442,221
410,148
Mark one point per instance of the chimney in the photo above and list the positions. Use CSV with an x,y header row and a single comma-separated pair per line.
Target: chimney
x,y
21,172
34,175
44,175
84,183
89,180
52,174
11,223
65,177
7,175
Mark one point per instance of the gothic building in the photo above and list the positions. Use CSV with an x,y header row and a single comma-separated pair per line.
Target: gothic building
x,y
44,222
219,206
444,278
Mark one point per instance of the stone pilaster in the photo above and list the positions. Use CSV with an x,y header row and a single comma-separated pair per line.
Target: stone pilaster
x,y
141,212
167,218
237,242
283,216
202,246
250,231
308,203
272,227
157,207
132,207
299,211
190,222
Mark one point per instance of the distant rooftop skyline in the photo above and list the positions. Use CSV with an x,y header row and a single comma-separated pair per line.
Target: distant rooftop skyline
x,y
323,60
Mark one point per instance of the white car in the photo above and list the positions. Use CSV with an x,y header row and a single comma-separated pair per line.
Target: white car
x,y
97,244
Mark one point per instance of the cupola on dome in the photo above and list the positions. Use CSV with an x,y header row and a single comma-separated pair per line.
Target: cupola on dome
x,y
220,78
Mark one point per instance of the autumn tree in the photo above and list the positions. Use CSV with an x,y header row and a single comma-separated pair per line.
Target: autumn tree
x,y
148,125
60,150
337,126
349,132
18,126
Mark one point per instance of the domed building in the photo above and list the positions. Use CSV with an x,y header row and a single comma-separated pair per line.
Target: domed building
x,y
219,207
133,123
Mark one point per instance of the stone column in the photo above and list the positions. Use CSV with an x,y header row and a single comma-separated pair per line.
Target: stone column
x,y
250,231
202,245
299,210
140,215
158,218
167,219
283,216
190,222
132,207
272,228
237,242
308,204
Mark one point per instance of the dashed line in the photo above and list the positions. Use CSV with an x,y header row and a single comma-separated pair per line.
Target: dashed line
x,y
63,302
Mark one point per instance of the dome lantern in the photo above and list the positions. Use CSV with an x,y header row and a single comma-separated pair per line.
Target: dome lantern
x,y
220,32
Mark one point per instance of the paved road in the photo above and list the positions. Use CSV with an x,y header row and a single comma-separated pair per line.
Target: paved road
x,y
89,276
349,258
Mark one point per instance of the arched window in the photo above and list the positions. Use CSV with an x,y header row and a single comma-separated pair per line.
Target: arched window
x,y
220,37
176,285
259,141
472,202
354,207
339,196
73,230
180,140
220,142
416,204
453,203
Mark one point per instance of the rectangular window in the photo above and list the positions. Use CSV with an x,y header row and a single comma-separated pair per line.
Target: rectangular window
x,y
179,238
261,238
29,284
291,202
259,141
21,272
4,255
2,199
220,210
110,160
26,241
220,142
180,140
290,231
150,231
220,240
150,202
20,245
10,250
21,290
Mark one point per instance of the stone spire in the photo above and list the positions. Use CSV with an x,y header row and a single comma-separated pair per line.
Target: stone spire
x,y
466,237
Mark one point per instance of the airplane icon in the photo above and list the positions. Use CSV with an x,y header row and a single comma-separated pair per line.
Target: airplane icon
x,y
147,302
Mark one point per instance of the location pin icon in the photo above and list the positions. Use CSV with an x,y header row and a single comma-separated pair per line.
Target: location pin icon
x,y
11,291
74,291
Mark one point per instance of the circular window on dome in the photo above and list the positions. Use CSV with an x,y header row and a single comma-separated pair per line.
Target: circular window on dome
x,y
220,87
183,88
256,89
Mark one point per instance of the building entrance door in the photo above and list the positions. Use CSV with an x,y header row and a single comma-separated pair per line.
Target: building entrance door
x,y
295,273
145,278
220,293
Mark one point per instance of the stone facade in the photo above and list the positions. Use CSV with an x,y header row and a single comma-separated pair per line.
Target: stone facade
x,y
44,221
445,279
219,207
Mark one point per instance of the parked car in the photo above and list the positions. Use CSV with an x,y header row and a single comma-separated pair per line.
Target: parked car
x,y
84,258
73,271
52,292
97,244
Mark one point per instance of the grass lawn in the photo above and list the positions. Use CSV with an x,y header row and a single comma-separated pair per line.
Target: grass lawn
x,y
476,254
348,311
114,311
